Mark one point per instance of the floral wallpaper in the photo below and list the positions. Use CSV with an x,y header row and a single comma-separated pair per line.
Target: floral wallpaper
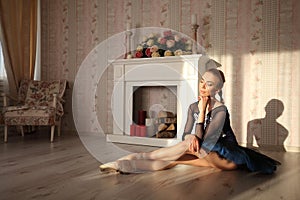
x,y
256,41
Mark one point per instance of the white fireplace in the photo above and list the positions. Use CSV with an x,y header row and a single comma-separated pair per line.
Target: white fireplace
x,y
179,72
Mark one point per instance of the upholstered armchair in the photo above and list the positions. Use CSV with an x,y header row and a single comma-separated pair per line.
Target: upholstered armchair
x,y
39,103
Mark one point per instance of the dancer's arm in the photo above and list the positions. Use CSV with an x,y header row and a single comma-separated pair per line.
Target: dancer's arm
x,y
202,106
189,123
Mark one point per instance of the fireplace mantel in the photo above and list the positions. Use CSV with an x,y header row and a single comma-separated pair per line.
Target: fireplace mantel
x,y
180,71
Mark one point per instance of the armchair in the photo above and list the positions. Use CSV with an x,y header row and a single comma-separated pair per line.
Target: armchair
x,y
39,103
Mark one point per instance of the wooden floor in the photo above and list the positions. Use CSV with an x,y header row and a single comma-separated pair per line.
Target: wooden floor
x,y
33,168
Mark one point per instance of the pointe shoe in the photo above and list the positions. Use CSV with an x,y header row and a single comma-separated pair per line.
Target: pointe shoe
x,y
109,167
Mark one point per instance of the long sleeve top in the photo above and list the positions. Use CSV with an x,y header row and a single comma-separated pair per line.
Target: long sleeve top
x,y
216,126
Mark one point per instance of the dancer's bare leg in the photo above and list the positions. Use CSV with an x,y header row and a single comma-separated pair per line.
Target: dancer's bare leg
x,y
138,166
165,154
142,165
168,157
156,160
190,159
212,159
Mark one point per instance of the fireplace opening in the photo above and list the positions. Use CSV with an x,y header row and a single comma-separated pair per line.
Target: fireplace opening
x,y
154,111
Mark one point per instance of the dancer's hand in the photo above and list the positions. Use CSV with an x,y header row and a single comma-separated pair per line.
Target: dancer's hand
x,y
203,102
194,144
202,106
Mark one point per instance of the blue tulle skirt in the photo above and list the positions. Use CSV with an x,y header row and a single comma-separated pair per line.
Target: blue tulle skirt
x,y
242,156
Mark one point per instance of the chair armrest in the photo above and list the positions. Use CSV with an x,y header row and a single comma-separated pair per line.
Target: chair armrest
x,y
56,99
57,104
55,96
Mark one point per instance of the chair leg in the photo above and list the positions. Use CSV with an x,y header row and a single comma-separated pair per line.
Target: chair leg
x,y
58,127
52,133
22,131
5,133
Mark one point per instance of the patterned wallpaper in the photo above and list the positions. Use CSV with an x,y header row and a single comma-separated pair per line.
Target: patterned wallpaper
x,y
257,42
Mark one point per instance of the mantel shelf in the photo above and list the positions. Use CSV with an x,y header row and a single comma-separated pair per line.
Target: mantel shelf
x,y
159,59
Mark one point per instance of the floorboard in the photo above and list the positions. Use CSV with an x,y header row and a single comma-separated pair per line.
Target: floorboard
x,y
33,168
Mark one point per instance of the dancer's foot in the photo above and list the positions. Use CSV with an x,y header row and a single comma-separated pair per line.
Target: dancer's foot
x,y
109,167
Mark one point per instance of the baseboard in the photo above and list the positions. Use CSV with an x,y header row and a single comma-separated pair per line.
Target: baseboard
x,y
292,149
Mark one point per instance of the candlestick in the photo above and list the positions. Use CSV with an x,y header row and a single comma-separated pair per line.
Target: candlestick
x,y
128,40
194,30
194,19
128,26
141,117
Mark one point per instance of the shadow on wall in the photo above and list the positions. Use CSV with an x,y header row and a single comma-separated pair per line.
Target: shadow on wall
x,y
267,132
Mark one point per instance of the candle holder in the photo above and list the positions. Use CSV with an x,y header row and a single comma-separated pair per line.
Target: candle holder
x,y
194,30
128,44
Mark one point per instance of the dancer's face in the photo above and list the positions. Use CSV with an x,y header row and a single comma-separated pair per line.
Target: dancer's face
x,y
208,85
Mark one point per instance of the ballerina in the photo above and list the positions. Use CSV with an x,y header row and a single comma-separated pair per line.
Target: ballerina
x,y
212,145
